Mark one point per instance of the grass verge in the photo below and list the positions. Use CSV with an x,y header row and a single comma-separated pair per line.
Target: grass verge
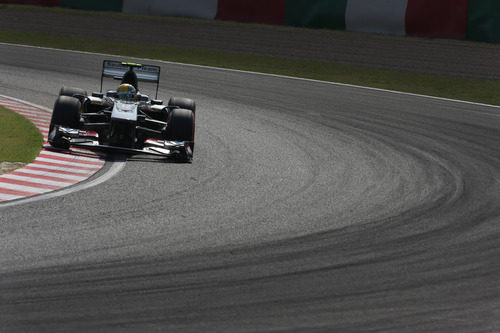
x,y
475,90
20,140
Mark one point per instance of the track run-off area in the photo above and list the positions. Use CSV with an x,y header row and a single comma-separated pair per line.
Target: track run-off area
x,y
309,206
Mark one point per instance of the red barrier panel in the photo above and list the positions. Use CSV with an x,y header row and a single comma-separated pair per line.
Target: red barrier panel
x,y
256,11
440,19
34,2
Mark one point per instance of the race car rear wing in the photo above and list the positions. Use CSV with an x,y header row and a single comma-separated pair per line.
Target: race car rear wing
x,y
116,70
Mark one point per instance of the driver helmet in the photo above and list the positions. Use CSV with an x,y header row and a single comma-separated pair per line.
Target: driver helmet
x,y
126,92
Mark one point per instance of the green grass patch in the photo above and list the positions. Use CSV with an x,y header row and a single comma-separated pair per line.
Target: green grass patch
x,y
476,90
20,140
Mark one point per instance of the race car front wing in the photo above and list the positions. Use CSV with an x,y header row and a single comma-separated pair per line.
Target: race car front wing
x,y
64,138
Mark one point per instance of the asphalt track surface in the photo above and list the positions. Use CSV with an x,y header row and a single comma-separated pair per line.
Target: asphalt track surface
x,y
308,207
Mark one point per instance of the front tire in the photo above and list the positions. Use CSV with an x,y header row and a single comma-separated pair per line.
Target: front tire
x,y
66,113
180,126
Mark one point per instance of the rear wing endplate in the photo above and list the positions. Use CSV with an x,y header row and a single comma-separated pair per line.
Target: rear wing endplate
x,y
116,70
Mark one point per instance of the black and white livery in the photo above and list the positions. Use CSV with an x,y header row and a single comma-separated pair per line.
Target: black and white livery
x,y
124,120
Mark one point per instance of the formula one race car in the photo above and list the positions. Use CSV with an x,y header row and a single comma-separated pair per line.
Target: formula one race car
x,y
124,120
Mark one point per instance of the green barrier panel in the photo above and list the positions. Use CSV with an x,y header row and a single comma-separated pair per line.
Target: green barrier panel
x,y
108,5
34,2
316,13
483,20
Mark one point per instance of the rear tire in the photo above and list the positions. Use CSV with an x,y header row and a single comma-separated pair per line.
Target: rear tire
x,y
66,113
183,103
70,91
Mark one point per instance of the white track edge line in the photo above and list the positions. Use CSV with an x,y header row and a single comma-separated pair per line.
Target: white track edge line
x,y
8,197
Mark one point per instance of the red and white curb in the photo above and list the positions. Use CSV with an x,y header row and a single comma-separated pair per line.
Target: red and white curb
x,y
51,170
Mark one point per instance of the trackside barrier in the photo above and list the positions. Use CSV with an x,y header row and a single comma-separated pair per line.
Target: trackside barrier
x,y
483,20
254,11
376,16
108,5
460,19
205,9
50,3
316,13
431,18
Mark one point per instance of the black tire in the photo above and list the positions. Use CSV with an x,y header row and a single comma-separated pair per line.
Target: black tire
x,y
183,103
180,125
66,113
70,91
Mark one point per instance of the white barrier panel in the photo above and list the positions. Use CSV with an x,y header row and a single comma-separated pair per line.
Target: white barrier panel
x,y
376,16
206,9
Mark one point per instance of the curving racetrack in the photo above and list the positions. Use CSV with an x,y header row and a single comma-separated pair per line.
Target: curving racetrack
x,y
308,207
